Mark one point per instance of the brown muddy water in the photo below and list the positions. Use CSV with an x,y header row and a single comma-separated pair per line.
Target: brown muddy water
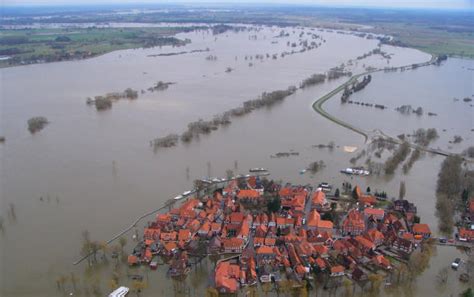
x,y
95,171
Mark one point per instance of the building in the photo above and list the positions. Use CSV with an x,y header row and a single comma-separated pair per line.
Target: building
x,y
318,201
404,206
337,271
422,230
375,213
354,223
466,234
227,278
248,195
403,245
364,244
375,236
381,261
232,245
264,253
316,224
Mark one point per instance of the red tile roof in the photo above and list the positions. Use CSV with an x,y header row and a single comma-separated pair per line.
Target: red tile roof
x,y
236,217
313,218
365,242
319,198
466,233
184,235
374,212
321,263
248,194
232,242
421,229
226,276
367,199
264,250
337,269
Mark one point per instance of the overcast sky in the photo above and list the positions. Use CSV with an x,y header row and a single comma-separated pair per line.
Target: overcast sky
x,y
441,4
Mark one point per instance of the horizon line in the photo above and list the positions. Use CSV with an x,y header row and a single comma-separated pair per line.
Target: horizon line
x,y
237,3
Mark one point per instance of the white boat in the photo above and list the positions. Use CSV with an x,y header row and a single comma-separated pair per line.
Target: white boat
x,y
257,169
186,193
356,171
178,197
120,292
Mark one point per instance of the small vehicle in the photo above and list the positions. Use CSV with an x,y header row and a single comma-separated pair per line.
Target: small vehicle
x,y
443,240
456,263
325,187
120,292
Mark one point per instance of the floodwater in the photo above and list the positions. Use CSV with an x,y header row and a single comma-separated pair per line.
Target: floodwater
x,y
95,171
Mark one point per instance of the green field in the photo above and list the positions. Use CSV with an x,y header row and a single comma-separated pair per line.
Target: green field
x,y
47,45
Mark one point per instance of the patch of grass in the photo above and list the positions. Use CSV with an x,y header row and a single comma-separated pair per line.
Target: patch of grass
x,y
48,45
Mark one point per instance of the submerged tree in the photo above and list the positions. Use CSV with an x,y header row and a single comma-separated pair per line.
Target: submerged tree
x,y
36,124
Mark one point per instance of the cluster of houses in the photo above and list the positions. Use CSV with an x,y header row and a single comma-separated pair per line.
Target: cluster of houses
x,y
466,230
296,241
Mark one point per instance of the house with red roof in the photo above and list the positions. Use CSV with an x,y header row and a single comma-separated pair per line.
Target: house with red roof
x,y
227,277
270,241
318,201
364,244
258,241
236,217
244,230
184,235
422,230
376,213
232,245
321,264
205,229
337,271
264,253
248,195
381,261
466,234
374,236
216,228
354,223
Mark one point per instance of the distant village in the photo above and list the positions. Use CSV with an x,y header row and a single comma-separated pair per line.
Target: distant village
x,y
264,232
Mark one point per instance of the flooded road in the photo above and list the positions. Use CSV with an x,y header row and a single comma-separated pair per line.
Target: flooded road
x,y
95,171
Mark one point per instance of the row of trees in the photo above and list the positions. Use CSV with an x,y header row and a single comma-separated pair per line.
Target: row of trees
x,y
448,191
398,157
197,128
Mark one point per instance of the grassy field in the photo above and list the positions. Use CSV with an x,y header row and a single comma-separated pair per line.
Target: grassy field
x,y
47,45
431,40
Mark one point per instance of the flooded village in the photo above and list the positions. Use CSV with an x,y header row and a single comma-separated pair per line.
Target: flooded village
x,y
358,133
284,238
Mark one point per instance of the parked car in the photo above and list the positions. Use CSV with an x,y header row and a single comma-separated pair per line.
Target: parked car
x,y
456,263
443,240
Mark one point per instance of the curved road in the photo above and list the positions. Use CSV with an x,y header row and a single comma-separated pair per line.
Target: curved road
x,y
318,107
